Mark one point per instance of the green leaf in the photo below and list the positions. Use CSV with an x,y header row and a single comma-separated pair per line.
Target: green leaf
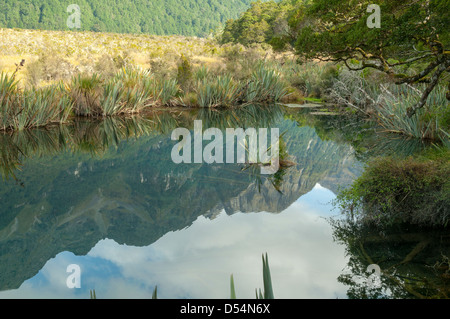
x,y
268,291
155,293
233,292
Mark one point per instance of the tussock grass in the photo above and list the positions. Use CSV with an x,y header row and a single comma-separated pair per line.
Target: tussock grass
x,y
105,74
21,109
85,92
265,85
220,92
387,104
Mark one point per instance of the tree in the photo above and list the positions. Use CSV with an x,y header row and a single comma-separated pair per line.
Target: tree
x,y
123,16
411,45
256,25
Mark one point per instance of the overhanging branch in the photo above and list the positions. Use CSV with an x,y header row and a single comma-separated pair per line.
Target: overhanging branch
x,y
434,81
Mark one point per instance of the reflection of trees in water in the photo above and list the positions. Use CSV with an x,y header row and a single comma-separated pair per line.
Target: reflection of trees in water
x,y
93,137
96,136
367,138
414,261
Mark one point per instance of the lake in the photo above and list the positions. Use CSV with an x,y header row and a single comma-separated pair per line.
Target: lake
x,y
105,195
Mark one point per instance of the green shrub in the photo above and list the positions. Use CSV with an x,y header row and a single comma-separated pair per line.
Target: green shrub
x,y
184,74
415,191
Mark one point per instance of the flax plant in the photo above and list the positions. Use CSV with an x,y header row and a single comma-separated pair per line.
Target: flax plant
x,y
86,93
8,93
392,107
223,91
265,86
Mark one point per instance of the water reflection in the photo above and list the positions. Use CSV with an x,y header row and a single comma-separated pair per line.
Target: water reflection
x,y
196,262
105,195
413,261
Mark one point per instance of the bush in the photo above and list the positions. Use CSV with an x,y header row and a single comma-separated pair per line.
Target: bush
x,y
415,191
184,75
49,67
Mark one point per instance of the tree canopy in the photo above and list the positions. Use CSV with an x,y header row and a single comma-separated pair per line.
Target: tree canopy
x,y
410,44
159,17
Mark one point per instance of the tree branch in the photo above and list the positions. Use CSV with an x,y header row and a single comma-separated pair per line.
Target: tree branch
x,y
434,81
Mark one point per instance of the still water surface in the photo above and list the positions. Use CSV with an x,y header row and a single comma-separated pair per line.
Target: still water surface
x,y
106,196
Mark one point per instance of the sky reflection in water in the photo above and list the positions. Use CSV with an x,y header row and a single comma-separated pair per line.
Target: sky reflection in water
x,y
197,262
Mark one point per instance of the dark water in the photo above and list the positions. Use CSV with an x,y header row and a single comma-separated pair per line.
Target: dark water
x,y
106,196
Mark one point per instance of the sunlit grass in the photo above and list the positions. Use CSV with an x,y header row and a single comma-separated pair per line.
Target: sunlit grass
x,y
105,74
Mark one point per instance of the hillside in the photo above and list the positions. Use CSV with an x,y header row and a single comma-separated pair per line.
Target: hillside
x,y
159,17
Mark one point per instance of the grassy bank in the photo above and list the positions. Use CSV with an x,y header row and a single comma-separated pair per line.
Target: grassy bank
x,y
67,74
130,91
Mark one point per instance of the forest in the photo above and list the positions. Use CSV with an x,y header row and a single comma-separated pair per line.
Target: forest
x,y
159,17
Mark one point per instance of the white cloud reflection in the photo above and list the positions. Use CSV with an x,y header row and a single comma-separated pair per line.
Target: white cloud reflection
x,y
197,262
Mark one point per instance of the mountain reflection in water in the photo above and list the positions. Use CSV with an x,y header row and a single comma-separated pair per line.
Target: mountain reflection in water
x,y
105,195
